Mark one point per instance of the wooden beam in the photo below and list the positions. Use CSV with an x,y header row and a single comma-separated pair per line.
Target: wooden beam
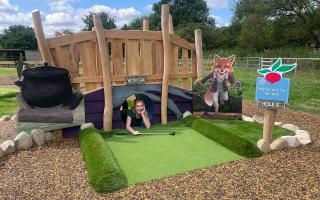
x,y
106,74
182,42
167,61
145,25
45,52
171,30
270,117
199,53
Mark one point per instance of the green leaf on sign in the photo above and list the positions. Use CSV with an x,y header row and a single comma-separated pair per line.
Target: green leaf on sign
x,y
286,68
276,65
263,71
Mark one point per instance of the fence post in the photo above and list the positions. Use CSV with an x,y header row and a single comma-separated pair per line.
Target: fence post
x,y
171,30
167,60
145,25
106,74
44,49
198,44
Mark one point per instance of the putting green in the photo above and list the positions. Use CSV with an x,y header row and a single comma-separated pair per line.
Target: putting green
x,y
146,157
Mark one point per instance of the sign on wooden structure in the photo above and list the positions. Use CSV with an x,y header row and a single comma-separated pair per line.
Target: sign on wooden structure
x,y
272,93
136,79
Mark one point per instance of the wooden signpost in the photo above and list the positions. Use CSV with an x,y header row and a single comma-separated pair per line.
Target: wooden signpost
x,y
272,93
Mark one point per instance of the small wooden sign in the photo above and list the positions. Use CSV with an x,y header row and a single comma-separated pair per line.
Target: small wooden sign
x,y
276,105
135,79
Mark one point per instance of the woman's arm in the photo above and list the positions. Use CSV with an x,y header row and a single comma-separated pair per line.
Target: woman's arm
x,y
129,128
146,120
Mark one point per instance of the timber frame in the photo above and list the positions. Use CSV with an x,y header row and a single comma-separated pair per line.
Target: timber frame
x,y
106,58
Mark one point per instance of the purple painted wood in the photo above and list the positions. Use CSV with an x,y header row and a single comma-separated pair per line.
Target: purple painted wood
x,y
98,117
187,106
71,132
157,109
94,107
178,98
94,96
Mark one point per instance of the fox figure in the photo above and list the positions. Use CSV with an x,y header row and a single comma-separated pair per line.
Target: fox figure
x,y
222,70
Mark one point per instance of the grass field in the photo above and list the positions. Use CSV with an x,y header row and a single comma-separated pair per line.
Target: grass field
x,y
304,89
8,103
145,158
6,71
250,131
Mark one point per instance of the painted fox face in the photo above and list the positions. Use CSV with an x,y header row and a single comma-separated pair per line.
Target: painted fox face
x,y
223,65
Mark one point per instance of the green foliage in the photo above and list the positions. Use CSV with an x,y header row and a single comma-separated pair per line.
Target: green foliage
x,y
18,37
108,22
105,174
67,31
223,137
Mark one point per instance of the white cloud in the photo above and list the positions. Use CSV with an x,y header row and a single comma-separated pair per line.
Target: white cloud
x,y
148,8
63,15
7,7
218,3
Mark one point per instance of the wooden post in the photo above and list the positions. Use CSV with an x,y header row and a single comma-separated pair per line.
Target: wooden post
x,y
145,25
167,60
106,74
198,43
270,117
44,49
171,30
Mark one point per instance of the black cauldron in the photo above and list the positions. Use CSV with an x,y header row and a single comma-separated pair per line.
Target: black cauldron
x,y
45,86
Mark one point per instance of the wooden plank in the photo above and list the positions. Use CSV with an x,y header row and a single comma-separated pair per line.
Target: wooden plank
x,y
149,78
145,25
185,83
71,39
133,34
146,57
174,63
87,57
117,58
159,57
182,42
133,67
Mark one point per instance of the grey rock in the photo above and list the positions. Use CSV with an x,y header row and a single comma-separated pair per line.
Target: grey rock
x,y
23,141
1,153
13,118
291,127
37,136
278,124
5,118
292,141
48,136
279,144
186,114
258,119
303,137
8,147
263,146
87,125
247,118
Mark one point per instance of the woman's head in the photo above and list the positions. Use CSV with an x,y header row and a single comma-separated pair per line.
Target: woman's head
x,y
138,106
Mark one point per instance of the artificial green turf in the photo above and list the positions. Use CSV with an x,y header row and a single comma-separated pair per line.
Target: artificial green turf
x,y
105,174
151,157
8,102
223,136
249,131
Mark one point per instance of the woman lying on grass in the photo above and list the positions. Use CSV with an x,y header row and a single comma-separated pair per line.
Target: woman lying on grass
x,y
137,116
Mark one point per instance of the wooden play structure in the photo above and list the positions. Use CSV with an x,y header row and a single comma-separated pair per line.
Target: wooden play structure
x,y
102,62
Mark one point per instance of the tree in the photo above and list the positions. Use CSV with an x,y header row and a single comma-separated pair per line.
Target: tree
x,y
183,11
18,37
108,22
67,31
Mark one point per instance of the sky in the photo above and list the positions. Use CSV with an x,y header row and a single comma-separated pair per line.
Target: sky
x,y
61,14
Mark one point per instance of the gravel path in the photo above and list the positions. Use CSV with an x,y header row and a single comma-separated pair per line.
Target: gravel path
x,y
56,171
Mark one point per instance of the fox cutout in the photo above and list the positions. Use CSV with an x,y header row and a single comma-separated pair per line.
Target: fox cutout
x,y
221,72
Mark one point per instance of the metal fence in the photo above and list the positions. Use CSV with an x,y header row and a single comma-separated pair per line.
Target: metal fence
x,y
261,62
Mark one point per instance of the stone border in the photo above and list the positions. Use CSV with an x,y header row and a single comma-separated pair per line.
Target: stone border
x,y
301,137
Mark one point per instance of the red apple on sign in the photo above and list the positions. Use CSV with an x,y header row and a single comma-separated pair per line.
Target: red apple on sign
x,y
273,77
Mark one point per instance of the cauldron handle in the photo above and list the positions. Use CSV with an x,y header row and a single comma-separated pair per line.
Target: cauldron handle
x,y
19,84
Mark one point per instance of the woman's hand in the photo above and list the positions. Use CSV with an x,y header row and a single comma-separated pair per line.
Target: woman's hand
x,y
136,133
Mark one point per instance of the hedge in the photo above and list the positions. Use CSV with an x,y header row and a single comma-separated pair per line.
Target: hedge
x,y
223,137
105,174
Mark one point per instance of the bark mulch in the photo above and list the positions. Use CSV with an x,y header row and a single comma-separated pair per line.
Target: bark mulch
x,y
57,171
